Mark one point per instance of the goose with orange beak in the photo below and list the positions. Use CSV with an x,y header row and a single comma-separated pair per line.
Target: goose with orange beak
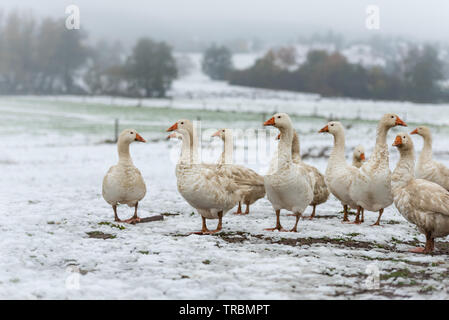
x,y
421,202
339,174
252,183
320,191
123,183
358,156
426,167
291,186
371,188
207,189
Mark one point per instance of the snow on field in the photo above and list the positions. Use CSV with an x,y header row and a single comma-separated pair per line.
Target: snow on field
x,y
54,158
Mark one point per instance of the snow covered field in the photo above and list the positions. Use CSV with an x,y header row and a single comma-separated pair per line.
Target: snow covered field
x,y
54,157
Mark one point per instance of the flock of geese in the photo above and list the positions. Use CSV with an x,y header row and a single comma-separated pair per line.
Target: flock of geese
x,y
420,195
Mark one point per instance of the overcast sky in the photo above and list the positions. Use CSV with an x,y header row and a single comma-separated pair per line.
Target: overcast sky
x,y
224,19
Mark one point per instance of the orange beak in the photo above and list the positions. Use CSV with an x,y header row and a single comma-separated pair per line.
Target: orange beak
x,y
325,129
399,122
216,134
139,138
173,127
414,131
269,122
362,157
278,137
397,141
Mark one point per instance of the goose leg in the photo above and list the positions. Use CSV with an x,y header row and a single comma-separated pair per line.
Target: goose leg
x,y
295,228
363,215
313,212
345,213
377,223
357,217
430,245
247,208
116,218
239,209
135,219
204,229
278,223
219,226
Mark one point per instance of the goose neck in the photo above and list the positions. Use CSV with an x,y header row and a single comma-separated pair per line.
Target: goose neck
x,y
124,157
405,168
285,145
426,153
338,151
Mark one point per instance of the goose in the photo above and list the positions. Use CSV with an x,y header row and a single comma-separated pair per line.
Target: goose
x,y
339,175
358,156
426,167
210,191
254,187
421,202
291,186
320,191
372,186
123,183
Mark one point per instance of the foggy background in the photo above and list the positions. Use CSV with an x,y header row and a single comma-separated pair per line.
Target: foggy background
x,y
203,20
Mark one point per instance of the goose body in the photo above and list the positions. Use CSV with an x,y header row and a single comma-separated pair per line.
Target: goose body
x,y
421,202
291,186
123,183
427,168
251,183
205,187
371,188
339,174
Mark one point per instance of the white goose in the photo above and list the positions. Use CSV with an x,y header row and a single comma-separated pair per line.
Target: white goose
x,y
291,186
339,174
371,188
320,191
253,183
427,168
358,156
206,189
123,183
421,202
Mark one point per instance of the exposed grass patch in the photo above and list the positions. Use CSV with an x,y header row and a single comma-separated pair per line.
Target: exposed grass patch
x,y
112,225
100,235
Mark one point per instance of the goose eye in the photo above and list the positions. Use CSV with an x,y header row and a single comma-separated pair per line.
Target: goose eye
x,y
392,117
131,132
182,122
222,130
332,125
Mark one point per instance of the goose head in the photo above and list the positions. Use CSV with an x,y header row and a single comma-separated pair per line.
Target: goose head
x,y
390,120
403,142
128,136
280,121
223,133
333,127
359,153
182,126
423,131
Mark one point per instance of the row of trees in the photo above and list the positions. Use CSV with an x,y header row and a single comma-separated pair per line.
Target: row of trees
x,y
43,57
415,77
